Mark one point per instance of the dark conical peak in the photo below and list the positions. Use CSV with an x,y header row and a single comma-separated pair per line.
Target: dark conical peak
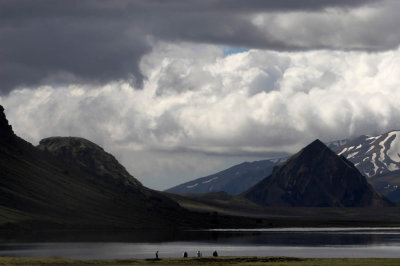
x,y
315,145
313,149
6,131
317,177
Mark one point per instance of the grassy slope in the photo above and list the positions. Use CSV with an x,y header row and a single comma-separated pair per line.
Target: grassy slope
x,y
38,189
223,203
205,261
220,202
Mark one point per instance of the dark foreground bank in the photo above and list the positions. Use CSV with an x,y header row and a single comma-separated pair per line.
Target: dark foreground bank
x,y
202,261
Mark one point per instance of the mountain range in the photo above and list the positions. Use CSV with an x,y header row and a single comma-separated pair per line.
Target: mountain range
x,y
376,157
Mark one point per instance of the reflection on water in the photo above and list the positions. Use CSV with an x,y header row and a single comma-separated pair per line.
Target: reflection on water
x,y
300,242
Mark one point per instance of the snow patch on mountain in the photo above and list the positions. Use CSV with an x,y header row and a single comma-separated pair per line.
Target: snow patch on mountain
x,y
192,186
393,167
343,151
373,160
351,155
210,180
394,150
278,160
382,151
371,148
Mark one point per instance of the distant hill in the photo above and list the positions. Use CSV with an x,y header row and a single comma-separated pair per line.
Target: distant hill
x,y
90,158
73,183
315,177
233,180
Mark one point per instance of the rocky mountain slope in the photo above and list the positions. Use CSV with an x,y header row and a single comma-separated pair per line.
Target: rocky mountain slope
x,y
315,177
81,187
90,158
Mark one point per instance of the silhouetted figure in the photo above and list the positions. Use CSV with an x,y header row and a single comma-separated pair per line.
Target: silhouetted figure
x,y
198,254
157,255
185,255
215,253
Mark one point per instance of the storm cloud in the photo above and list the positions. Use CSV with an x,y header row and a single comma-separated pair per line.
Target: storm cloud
x,y
182,89
93,42
200,111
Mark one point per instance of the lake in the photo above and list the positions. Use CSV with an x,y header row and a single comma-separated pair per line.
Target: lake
x,y
295,242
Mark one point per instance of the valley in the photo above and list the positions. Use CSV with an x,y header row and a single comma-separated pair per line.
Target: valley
x,y
70,183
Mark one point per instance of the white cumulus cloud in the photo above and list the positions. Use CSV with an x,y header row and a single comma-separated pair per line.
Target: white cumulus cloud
x,y
200,111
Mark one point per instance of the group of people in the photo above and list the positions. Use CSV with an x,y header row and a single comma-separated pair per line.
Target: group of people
x,y
199,254
185,254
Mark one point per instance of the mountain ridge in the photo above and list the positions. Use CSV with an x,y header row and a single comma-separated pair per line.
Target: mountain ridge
x,y
379,181
39,190
230,180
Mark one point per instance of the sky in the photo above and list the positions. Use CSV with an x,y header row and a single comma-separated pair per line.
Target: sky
x,y
180,89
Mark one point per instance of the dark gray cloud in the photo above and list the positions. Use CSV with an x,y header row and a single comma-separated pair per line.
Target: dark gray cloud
x,y
63,42
57,44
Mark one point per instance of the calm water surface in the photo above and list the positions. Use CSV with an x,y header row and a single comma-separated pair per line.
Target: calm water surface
x,y
297,242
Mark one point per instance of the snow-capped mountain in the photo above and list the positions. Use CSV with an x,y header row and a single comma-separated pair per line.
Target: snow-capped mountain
x,y
373,155
376,157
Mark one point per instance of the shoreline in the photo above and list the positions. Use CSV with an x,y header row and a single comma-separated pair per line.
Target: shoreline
x,y
204,261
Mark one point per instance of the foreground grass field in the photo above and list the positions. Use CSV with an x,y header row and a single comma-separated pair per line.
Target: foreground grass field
x,y
284,261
